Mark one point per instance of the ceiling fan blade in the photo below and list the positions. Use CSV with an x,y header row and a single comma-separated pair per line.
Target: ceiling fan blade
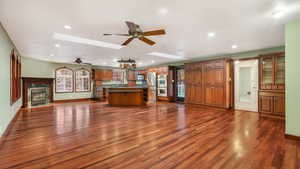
x,y
132,26
118,34
146,40
154,33
127,42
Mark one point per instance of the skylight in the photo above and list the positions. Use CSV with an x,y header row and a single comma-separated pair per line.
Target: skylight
x,y
85,41
165,55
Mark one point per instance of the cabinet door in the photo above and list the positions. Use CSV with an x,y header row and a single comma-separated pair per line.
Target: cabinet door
x,y
266,104
209,95
279,105
98,75
219,96
131,75
279,73
267,72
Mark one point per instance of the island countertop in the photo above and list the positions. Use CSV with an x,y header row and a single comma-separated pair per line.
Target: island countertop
x,y
127,96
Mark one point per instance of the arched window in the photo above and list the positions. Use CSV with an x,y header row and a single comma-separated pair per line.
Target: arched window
x,y
64,80
83,80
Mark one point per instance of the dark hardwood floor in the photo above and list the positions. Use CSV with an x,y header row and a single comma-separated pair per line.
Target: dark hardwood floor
x,y
163,135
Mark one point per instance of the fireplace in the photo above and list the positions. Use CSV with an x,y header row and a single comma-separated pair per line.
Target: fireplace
x,y
38,96
37,91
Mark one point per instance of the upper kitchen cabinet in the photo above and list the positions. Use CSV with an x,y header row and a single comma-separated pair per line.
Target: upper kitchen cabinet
x,y
131,75
102,74
272,71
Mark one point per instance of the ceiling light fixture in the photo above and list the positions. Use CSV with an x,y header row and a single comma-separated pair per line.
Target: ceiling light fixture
x,y
152,61
85,41
51,55
68,27
163,11
212,34
57,45
234,46
165,55
278,14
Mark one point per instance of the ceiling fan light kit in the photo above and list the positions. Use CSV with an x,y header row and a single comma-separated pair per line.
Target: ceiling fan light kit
x,y
135,32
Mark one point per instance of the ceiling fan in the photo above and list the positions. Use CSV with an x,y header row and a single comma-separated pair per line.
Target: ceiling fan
x,y
136,32
79,61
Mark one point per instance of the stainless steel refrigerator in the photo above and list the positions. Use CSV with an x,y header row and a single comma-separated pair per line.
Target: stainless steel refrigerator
x,y
152,82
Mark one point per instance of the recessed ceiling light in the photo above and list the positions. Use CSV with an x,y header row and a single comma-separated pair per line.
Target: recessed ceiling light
x,y
104,63
163,10
52,55
165,55
68,27
57,45
277,14
85,41
140,63
152,61
234,46
212,34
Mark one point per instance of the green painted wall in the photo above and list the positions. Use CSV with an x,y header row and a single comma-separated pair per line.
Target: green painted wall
x,y
7,111
292,37
37,68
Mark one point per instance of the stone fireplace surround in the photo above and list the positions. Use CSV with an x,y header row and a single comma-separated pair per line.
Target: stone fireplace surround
x,y
30,83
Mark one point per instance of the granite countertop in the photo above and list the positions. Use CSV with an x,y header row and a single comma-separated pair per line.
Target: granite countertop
x,y
123,86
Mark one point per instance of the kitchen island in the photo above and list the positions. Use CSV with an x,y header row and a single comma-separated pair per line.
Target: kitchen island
x,y
127,96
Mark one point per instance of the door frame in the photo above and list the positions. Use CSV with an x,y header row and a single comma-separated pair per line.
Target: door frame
x,y
234,84
177,99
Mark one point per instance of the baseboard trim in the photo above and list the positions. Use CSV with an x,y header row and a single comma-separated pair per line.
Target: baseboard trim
x,y
73,100
292,137
9,128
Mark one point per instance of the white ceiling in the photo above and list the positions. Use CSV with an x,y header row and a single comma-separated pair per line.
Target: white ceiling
x,y
250,24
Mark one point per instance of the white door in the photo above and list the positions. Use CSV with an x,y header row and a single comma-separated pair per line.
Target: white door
x,y
246,85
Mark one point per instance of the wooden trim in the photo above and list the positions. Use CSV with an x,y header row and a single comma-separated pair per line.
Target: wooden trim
x,y
245,59
72,100
9,128
73,85
292,137
90,80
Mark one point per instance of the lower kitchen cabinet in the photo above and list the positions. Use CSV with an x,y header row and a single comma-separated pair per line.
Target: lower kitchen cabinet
x,y
272,103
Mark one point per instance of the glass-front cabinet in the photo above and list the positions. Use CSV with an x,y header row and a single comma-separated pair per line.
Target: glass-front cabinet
x,y
280,70
267,70
272,85
272,74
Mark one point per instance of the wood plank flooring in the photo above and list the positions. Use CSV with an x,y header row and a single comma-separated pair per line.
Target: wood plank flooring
x,y
163,135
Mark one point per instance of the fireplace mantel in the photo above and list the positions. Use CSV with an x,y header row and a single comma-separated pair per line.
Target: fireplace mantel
x,y
28,81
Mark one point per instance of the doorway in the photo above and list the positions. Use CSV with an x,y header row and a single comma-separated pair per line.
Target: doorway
x,y
179,84
246,85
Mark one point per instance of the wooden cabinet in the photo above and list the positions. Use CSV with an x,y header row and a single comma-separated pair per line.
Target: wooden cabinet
x,y
272,85
272,103
208,82
279,105
131,75
272,71
266,104
102,74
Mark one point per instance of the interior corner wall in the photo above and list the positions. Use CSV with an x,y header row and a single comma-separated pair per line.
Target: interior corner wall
x,y
7,111
292,37
42,69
